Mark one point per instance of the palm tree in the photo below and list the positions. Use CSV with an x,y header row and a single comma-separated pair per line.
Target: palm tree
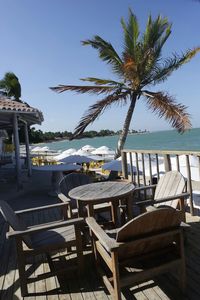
x,y
140,65
10,86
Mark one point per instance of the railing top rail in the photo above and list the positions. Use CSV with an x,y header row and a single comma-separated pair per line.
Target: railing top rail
x,y
172,152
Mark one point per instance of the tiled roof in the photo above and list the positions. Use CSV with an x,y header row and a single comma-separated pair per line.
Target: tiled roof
x,y
7,104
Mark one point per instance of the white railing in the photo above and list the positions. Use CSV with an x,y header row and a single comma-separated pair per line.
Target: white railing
x,y
146,166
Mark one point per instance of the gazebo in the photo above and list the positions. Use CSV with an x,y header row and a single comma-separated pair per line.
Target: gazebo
x,y
15,114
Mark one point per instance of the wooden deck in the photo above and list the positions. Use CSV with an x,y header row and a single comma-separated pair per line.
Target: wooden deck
x,y
90,286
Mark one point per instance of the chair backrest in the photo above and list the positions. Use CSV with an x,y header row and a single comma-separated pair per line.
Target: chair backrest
x,y
149,224
170,184
13,220
71,181
113,175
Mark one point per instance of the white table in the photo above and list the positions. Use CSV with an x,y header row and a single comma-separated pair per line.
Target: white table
x,y
57,174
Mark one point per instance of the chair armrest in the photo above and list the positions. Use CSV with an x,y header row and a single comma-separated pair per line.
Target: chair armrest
x,y
64,198
29,210
39,228
108,243
161,200
145,202
179,196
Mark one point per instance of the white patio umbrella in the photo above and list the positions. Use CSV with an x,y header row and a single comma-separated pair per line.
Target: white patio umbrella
x,y
69,151
85,153
95,157
116,165
44,149
36,149
103,150
88,148
78,159
81,152
64,154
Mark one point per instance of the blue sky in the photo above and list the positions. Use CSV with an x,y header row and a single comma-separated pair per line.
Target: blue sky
x,y
41,44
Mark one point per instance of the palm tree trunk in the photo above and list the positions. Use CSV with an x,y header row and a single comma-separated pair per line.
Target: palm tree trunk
x,y
123,135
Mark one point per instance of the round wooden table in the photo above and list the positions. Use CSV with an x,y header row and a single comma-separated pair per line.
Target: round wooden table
x,y
100,192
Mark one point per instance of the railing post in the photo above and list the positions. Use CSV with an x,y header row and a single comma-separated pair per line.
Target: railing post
x,y
131,166
167,163
29,165
17,151
157,167
137,169
124,165
150,169
189,185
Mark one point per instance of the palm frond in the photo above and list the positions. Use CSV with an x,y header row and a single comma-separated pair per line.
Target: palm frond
x,y
155,30
165,106
131,33
84,89
161,72
100,81
151,44
106,52
97,109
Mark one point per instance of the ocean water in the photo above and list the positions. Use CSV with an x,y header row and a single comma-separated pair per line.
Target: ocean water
x,y
161,140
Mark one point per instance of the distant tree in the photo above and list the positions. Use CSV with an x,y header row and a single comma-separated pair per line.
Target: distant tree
x,y
140,65
106,132
10,86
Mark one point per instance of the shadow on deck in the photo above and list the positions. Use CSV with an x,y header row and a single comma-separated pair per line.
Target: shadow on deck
x,y
89,285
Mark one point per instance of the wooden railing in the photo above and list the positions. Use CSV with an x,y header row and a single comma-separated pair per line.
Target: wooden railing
x,y
146,166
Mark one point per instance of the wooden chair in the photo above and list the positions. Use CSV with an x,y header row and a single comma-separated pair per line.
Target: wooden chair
x,y
71,181
169,191
149,245
45,238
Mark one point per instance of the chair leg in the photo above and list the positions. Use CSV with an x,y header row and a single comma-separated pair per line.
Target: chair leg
x,y
116,282
21,267
94,250
183,267
79,250
182,208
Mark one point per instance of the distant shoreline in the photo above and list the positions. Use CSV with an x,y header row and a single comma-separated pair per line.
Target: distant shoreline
x,y
82,138
166,139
